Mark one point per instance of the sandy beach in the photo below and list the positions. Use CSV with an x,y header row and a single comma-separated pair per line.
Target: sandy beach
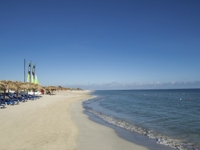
x,y
95,136
40,124
60,122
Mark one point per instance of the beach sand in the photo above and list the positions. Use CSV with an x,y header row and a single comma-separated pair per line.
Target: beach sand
x,y
59,122
95,136
43,124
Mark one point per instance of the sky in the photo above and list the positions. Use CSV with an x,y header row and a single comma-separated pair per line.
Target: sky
x,y
102,44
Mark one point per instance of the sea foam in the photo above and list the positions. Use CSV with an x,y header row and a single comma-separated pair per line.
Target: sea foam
x,y
160,139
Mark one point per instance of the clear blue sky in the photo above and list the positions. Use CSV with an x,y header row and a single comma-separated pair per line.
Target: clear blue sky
x,y
105,44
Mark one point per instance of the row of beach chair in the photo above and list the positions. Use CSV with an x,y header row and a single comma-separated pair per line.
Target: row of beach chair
x,y
14,98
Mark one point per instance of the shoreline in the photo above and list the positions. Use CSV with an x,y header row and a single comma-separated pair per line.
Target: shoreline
x,y
60,122
95,133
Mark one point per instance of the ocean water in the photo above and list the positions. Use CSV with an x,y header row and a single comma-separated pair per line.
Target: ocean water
x,y
171,117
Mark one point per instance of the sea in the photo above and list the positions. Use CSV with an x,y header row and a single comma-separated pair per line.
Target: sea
x,y
169,116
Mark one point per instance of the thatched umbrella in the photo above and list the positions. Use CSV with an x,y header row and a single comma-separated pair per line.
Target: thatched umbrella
x,y
59,88
6,85
36,87
50,88
32,86
24,85
2,87
39,87
62,88
29,86
45,88
18,86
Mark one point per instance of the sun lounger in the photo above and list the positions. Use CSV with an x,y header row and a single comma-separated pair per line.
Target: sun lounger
x,y
19,97
26,96
2,102
10,102
2,105
11,98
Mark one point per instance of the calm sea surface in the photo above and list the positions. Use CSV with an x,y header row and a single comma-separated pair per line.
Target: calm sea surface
x,y
171,117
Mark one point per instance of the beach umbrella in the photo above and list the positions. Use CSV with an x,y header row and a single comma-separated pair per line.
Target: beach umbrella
x,y
24,85
6,85
36,87
62,88
46,88
9,84
59,88
30,86
2,87
18,86
51,88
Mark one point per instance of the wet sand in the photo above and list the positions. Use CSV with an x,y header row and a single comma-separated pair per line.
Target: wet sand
x,y
96,134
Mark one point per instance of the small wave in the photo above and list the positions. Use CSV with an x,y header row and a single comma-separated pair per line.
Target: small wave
x,y
160,139
88,108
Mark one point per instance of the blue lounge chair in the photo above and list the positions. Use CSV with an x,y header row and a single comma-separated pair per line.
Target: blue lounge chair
x,y
11,98
6,101
26,96
19,97
2,104
33,97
